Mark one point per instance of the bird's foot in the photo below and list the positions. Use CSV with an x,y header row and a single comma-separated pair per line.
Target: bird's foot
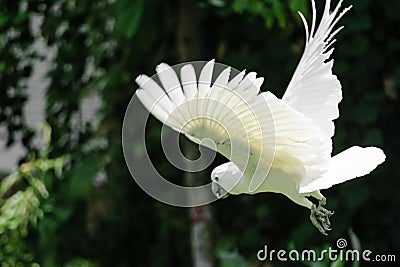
x,y
320,217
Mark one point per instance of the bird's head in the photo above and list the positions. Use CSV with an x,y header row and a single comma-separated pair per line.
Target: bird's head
x,y
218,190
225,179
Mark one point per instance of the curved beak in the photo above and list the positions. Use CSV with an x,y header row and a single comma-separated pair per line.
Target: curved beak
x,y
218,191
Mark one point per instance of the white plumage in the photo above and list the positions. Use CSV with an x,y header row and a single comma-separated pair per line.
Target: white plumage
x,y
274,145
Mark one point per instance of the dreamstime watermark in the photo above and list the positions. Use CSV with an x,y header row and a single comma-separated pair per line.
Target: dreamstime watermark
x,y
341,253
174,96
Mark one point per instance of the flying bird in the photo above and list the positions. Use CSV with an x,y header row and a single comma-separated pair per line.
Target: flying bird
x,y
274,145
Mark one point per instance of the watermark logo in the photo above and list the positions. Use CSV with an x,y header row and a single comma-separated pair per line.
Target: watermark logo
x,y
340,253
341,243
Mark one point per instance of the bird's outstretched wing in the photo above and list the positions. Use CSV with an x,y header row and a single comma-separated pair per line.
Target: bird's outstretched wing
x,y
225,111
314,90
232,112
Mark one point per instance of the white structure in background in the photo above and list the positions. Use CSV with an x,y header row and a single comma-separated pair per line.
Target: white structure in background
x,y
35,106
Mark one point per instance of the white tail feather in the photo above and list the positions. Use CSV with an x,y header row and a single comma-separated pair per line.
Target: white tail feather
x,y
349,164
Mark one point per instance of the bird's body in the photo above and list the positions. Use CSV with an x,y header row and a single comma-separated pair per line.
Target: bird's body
x,y
274,145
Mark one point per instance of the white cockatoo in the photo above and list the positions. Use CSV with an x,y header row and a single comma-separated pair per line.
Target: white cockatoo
x,y
274,145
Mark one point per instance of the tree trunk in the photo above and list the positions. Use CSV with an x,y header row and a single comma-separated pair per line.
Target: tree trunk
x,y
188,37
189,45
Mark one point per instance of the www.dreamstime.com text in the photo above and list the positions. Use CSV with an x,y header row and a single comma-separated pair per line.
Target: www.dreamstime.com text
x,y
333,254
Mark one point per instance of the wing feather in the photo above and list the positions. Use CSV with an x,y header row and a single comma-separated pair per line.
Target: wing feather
x,y
170,80
201,109
314,90
189,81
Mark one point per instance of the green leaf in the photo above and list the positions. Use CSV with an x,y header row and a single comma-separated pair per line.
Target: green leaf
x,y
129,16
8,182
299,5
279,12
239,5
338,263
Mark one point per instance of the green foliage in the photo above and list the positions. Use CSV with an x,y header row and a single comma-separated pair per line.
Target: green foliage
x,y
130,18
16,58
271,11
78,262
20,210
53,214
24,203
232,259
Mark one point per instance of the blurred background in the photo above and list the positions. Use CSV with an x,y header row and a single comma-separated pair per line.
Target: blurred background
x,y
67,71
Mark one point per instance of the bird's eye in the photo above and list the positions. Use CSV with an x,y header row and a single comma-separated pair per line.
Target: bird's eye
x,y
216,178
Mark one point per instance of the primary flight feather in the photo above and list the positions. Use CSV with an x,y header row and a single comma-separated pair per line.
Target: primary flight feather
x,y
274,145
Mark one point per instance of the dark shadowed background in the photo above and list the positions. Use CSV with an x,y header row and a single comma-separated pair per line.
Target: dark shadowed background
x,y
72,63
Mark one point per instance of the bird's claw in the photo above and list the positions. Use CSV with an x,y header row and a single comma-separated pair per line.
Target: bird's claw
x,y
320,217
